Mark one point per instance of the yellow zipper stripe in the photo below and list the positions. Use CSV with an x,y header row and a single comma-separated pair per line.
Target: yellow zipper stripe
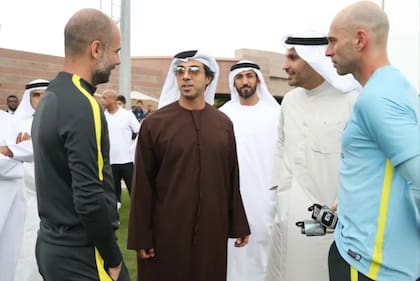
x,y
97,122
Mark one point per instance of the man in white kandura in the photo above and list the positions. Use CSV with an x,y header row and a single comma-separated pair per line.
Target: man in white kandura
x,y
27,268
15,202
312,119
255,115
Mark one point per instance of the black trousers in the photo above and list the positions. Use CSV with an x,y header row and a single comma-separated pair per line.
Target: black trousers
x,y
122,172
64,263
340,270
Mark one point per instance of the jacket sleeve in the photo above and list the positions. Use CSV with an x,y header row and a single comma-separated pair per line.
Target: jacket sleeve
x,y
22,151
134,124
10,169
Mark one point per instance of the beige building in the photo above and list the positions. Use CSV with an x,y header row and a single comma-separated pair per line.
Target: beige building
x,y
147,73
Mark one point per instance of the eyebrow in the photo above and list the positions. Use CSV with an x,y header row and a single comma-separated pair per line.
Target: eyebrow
x,y
246,73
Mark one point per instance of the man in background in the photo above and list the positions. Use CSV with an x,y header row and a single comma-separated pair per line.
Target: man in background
x,y
121,101
255,116
12,103
122,124
138,111
27,268
14,149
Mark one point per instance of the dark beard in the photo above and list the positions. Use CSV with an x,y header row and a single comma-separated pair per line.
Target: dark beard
x,y
247,93
101,76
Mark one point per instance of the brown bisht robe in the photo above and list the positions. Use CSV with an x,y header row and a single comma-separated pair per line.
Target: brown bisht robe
x,y
185,200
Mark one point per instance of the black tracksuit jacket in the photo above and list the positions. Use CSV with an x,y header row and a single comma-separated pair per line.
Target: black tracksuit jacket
x,y
76,199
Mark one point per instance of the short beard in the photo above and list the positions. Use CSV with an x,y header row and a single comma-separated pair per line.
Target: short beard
x,y
101,76
247,93
103,71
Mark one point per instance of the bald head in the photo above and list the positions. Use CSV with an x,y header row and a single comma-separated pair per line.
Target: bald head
x,y
366,15
111,94
109,100
357,40
84,27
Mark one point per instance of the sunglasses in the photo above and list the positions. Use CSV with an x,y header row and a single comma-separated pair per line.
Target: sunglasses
x,y
192,70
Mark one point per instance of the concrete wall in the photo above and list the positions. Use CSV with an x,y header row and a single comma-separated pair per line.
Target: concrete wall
x,y
148,73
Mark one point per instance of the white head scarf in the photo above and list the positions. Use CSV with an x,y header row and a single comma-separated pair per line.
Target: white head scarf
x,y
170,91
25,109
311,47
262,90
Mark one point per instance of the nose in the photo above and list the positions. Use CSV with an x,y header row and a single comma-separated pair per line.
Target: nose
x,y
285,65
328,51
117,60
244,80
186,75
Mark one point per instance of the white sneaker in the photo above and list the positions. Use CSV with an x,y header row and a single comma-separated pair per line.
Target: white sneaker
x,y
118,205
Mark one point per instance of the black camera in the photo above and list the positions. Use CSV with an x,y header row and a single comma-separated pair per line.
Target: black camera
x,y
324,221
324,215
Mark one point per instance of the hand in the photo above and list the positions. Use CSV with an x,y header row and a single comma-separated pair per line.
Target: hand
x,y
114,272
334,207
146,253
22,137
6,151
241,241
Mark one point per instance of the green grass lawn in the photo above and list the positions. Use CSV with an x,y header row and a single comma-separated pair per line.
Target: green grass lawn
x,y
129,255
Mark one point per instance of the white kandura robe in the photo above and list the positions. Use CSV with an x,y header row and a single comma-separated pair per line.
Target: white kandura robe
x,y
27,268
255,130
306,172
12,200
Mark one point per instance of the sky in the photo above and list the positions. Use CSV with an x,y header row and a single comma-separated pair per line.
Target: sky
x,y
166,27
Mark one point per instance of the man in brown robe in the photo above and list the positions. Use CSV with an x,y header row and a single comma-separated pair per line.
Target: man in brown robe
x,y
185,201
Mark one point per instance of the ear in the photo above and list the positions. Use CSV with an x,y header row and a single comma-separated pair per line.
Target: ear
x,y
96,49
208,79
361,39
